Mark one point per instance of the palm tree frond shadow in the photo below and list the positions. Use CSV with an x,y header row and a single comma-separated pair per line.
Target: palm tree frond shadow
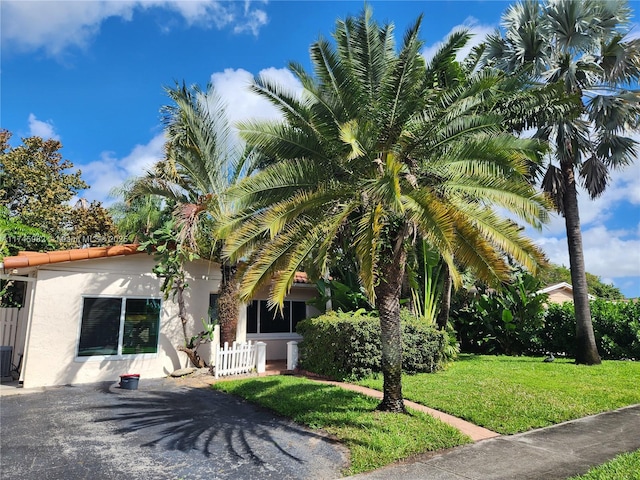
x,y
201,419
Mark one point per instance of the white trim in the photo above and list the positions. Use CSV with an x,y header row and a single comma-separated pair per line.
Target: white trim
x,y
557,286
119,357
273,336
32,305
16,278
560,286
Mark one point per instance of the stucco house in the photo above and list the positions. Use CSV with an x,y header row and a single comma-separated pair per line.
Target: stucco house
x,y
560,293
93,314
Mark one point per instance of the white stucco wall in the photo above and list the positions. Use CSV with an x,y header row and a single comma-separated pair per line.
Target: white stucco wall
x,y
55,324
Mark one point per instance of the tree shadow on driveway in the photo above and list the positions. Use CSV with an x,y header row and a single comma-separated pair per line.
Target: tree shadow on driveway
x,y
217,425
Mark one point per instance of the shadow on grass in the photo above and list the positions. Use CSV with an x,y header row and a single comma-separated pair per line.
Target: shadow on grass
x,y
204,420
318,405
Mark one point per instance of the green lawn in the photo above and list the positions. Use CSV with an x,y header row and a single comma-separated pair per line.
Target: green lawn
x,y
515,394
374,438
623,467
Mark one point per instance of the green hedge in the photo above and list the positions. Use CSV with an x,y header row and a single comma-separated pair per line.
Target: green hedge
x,y
347,345
616,326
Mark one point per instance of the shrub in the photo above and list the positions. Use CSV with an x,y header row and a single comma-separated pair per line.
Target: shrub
x,y
616,326
347,345
500,321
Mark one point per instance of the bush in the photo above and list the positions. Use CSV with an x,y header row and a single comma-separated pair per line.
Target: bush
x,y
347,345
500,321
616,326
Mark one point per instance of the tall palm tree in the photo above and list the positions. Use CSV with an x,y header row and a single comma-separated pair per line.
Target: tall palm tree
x,y
581,46
201,161
375,145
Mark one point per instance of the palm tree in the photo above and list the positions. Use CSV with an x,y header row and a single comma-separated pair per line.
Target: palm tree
x,y
580,46
201,161
374,144
138,218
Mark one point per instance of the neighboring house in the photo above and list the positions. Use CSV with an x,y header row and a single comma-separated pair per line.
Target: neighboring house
x,y
94,314
560,293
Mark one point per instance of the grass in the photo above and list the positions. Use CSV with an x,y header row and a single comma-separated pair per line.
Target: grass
x,y
622,467
374,438
515,394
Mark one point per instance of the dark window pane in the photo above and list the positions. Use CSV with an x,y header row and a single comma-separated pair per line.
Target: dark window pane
x,y
141,325
213,308
252,317
100,326
271,321
298,312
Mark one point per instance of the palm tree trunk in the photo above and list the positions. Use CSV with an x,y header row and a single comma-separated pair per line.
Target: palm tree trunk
x,y
586,349
387,291
228,304
445,302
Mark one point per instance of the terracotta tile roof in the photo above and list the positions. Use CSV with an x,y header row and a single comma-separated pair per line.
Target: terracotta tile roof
x,y
301,277
33,259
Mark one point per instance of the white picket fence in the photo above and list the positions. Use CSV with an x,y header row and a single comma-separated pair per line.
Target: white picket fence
x,y
235,360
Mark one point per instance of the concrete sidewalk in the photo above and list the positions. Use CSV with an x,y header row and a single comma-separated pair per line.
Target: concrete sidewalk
x,y
551,453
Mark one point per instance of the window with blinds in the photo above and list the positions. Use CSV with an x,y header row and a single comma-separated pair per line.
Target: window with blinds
x,y
119,326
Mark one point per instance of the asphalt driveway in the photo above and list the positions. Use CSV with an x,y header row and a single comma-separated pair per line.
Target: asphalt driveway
x,y
162,431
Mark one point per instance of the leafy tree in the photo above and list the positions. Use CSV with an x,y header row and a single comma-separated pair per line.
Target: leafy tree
x,y
582,47
36,185
200,163
15,236
92,225
374,142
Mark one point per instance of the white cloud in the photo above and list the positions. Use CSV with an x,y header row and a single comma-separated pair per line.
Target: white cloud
x,y
38,128
56,26
233,87
109,172
253,20
613,254
607,253
478,33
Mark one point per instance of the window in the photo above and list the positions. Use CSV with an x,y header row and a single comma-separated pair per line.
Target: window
x,y
213,308
119,326
262,320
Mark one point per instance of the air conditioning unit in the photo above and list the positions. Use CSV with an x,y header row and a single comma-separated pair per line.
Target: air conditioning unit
x,y
6,354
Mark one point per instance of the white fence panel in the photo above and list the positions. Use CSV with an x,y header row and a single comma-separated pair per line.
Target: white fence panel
x,y
9,326
235,360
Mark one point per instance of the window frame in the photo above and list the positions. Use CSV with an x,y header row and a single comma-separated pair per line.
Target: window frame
x,y
274,335
123,308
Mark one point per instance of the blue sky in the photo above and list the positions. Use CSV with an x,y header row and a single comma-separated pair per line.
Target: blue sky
x,y
91,74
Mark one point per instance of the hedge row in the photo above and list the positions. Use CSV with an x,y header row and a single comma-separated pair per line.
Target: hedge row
x,y
347,345
616,326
